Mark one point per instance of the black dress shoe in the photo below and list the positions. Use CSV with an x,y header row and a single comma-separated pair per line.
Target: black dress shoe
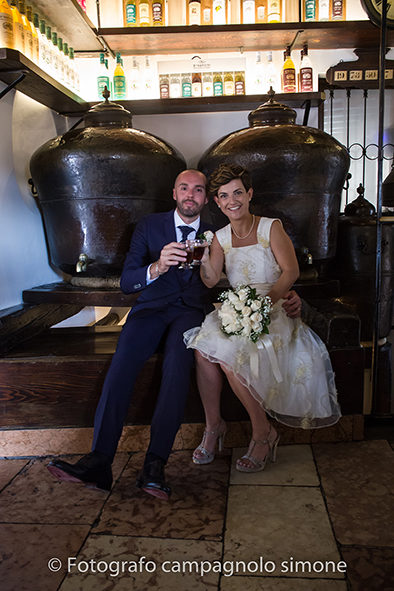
x,y
93,469
152,480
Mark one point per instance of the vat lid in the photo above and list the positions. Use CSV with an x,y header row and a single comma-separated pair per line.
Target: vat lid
x,y
272,113
360,207
107,114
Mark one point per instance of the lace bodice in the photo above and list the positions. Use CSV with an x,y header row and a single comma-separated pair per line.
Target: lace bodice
x,y
250,265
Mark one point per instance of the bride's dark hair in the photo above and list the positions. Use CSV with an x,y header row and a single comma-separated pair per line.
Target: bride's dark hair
x,y
225,174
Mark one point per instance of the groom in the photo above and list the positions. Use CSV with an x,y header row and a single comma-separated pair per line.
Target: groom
x,y
172,300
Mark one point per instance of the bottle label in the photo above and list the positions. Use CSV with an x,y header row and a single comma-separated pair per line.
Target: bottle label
x,y
310,10
144,14
229,87
306,80
157,12
186,89
274,11
240,87
119,87
131,14
207,89
248,11
289,83
196,89
102,82
194,13
6,30
206,16
218,88
324,10
260,14
164,91
337,9
219,12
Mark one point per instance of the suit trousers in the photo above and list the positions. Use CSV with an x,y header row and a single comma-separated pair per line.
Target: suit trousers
x,y
139,340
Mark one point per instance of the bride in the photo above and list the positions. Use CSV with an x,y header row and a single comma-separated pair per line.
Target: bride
x,y
286,373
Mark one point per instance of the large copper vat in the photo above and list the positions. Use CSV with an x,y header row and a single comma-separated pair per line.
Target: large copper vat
x,y
298,174
95,183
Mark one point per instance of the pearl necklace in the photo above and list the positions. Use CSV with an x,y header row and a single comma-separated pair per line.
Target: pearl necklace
x,y
243,237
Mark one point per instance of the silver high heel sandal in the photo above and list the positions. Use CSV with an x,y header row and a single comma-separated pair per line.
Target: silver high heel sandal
x,y
259,465
207,456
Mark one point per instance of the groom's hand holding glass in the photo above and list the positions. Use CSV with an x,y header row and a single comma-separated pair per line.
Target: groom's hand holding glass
x,y
172,255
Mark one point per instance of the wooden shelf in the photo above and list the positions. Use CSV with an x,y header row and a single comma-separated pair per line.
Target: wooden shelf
x,y
71,23
217,103
172,40
37,84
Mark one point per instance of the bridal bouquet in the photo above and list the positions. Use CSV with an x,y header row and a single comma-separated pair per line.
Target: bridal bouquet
x,y
244,312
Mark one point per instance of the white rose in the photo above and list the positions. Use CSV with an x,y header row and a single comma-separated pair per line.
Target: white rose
x,y
246,311
232,297
255,305
238,305
256,326
246,331
242,294
256,317
208,236
231,327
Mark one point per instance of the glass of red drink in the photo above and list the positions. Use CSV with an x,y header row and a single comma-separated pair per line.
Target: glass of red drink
x,y
198,251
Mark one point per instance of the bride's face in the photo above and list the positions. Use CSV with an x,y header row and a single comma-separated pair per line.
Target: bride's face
x,y
234,200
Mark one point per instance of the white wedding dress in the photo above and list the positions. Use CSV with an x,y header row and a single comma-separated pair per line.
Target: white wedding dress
x,y
288,370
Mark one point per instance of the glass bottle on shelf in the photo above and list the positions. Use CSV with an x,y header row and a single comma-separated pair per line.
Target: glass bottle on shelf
x,y
309,10
207,84
288,73
248,11
119,80
134,79
130,13
338,10
36,44
217,84
61,58
261,11
164,85
144,17
6,26
44,49
74,72
274,11
56,57
175,86
194,12
206,12
186,85
67,68
219,12
290,11
305,76
102,78
148,83
158,13
239,82
196,84
19,31
271,77
258,77
51,53
228,86
27,30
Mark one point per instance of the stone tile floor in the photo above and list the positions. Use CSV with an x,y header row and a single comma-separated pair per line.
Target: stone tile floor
x,y
320,519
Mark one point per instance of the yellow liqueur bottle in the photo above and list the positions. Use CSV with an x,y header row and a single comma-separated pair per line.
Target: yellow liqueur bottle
x,y
239,82
288,73
6,25
119,79
144,17
19,31
158,13
27,29
229,87
217,84
130,13
274,11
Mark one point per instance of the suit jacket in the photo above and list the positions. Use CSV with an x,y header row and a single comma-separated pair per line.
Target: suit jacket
x,y
150,235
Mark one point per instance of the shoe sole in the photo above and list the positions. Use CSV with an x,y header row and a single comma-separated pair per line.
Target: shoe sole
x,y
159,494
65,477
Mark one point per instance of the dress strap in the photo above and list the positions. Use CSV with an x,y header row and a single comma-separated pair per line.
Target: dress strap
x,y
264,229
224,237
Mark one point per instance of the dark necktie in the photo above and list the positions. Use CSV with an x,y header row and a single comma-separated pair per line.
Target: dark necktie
x,y
185,231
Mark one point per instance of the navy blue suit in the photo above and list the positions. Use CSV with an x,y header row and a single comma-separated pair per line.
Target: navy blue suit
x,y
167,307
